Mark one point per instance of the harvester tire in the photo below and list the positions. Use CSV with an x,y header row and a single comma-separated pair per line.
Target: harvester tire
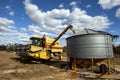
x,y
49,54
103,68
60,57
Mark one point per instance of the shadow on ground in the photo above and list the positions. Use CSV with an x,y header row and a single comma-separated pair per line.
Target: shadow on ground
x,y
55,63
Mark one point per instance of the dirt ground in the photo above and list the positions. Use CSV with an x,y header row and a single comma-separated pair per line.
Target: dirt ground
x,y
14,68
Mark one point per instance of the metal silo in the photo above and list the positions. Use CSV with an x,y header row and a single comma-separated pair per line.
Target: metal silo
x,y
90,44
91,49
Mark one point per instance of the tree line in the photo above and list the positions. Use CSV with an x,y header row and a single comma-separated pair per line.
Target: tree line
x,y
11,47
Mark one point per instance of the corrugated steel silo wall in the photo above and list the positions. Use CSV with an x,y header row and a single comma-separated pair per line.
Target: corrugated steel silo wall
x,y
90,46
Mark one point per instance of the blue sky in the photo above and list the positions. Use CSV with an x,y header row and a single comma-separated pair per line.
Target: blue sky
x,y
21,19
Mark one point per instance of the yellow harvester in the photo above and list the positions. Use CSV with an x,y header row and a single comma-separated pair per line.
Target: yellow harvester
x,y
43,48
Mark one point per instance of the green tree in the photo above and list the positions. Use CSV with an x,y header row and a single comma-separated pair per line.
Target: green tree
x,y
2,47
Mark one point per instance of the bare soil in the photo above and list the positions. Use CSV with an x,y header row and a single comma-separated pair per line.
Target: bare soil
x,y
14,68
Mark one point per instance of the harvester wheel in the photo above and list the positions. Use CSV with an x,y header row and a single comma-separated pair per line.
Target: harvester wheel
x,y
49,55
60,57
103,68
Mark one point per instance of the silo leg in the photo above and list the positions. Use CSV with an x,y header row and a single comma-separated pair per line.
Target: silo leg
x,y
74,64
93,68
108,65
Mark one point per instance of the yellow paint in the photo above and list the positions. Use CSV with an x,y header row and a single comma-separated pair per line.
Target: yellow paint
x,y
61,57
93,68
41,54
56,47
109,65
44,55
74,64
14,52
35,48
52,56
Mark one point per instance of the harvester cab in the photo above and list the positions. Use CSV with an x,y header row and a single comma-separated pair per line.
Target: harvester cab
x,y
38,42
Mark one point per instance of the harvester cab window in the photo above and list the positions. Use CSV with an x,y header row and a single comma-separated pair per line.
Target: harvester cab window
x,y
37,42
34,41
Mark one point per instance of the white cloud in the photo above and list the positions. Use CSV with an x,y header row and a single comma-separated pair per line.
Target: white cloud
x,y
116,44
8,7
61,5
50,23
47,20
74,3
109,4
23,37
35,29
23,29
80,20
54,21
112,31
11,13
118,13
6,27
6,24
88,6
9,33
